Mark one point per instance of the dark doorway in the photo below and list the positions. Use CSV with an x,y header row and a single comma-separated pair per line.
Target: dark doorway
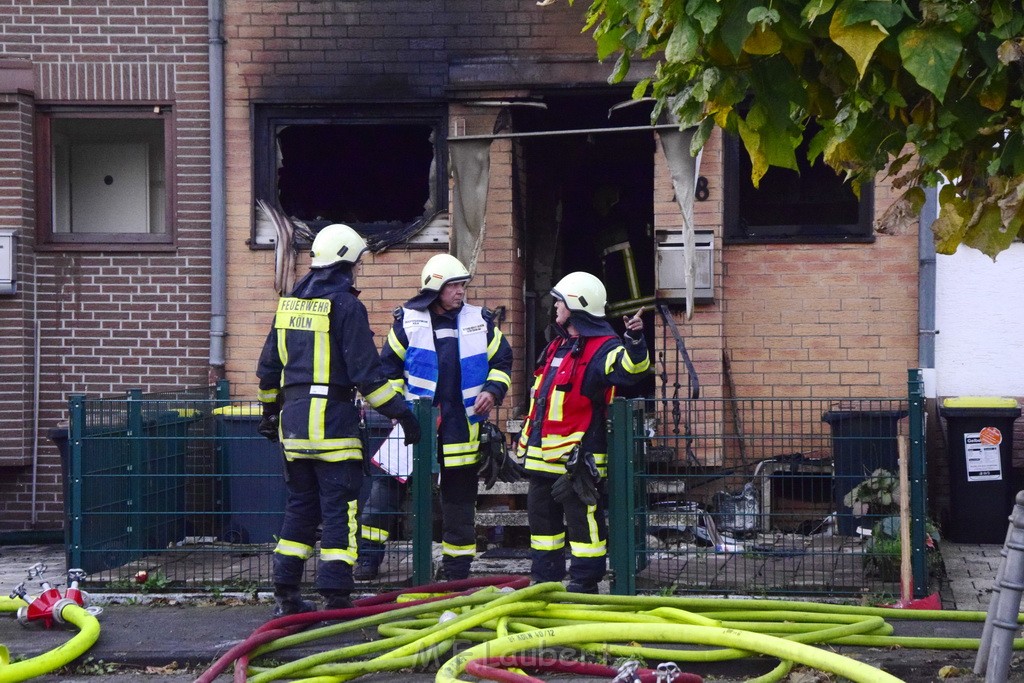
x,y
576,195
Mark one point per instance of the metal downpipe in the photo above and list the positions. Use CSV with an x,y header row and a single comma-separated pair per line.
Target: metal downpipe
x,y
218,211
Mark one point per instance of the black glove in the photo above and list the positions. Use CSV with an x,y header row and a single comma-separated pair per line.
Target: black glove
x,y
268,427
495,462
411,427
580,479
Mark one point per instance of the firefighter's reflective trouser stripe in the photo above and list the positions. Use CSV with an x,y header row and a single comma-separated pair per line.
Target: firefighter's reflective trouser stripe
x,y
458,527
381,511
552,524
319,492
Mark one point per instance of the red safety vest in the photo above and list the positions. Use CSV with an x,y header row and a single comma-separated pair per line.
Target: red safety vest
x,y
567,412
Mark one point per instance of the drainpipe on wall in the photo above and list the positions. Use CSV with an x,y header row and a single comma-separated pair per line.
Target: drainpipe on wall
x,y
218,230
926,291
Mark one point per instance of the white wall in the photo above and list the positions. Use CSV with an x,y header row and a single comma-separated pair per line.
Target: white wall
x,y
979,312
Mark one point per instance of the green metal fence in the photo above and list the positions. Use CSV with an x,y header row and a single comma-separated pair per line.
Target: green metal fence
x,y
180,486
747,496
763,496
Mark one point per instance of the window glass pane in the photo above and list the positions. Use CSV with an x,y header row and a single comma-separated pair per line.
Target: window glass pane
x,y
811,204
108,176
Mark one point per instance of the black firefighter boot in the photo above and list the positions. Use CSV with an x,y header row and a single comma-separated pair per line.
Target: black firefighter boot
x,y
337,599
288,600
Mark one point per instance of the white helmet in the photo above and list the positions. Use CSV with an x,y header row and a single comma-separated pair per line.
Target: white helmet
x,y
336,243
583,292
440,270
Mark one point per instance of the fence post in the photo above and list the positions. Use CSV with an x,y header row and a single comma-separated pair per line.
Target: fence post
x,y
135,448
621,495
422,488
918,560
76,430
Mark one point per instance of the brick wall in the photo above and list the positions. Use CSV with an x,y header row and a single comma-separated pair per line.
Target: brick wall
x,y
16,213
391,51
823,320
109,321
795,320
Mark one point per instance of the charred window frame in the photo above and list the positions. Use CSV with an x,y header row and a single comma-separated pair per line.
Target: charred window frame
x,y
812,205
105,178
372,167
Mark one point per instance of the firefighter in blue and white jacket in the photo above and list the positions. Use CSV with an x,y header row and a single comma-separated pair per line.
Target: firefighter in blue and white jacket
x,y
318,353
564,441
447,350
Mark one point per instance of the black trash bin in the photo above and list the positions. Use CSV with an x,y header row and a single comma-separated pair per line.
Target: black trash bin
x,y
862,442
133,489
253,468
979,437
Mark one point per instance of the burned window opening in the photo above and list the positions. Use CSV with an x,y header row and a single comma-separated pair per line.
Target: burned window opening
x,y
376,167
812,204
374,176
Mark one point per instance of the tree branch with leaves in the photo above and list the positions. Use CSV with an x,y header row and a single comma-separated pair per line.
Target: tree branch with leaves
x,y
929,92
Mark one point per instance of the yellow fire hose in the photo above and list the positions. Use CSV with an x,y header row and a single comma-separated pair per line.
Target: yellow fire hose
x,y
602,627
88,633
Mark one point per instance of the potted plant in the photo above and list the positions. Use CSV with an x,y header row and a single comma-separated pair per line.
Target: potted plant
x,y
878,498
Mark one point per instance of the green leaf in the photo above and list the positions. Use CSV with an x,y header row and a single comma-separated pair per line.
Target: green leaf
x,y
815,9
735,28
930,54
706,12
620,70
762,15
951,225
640,89
683,43
988,234
609,42
1002,12
884,12
858,40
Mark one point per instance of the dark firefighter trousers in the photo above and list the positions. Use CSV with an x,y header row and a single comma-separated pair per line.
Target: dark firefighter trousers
x,y
554,525
324,493
458,487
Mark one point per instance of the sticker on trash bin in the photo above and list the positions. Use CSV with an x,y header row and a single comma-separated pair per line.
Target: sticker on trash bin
x,y
991,436
983,463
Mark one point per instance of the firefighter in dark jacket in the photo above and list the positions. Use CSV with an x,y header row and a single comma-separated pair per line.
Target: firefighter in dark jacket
x,y
563,439
450,351
319,352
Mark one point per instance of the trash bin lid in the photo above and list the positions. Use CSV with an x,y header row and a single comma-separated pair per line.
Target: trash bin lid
x,y
980,402
238,411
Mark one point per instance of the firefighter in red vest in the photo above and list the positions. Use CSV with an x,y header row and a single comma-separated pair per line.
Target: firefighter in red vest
x,y
564,441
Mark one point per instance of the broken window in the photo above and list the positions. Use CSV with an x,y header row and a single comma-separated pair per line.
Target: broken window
x,y
809,205
375,171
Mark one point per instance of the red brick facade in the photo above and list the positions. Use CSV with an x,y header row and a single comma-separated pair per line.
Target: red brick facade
x,y
108,319
811,320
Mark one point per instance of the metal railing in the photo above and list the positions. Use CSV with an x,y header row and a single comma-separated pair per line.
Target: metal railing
x,y
756,496
181,487
762,496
